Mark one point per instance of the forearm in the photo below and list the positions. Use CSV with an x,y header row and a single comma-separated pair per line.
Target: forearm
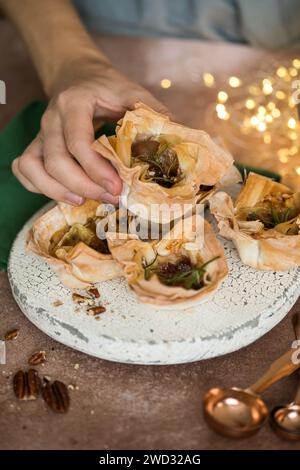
x,y
54,35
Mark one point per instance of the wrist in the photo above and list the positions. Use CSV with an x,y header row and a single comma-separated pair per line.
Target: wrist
x,y
74,68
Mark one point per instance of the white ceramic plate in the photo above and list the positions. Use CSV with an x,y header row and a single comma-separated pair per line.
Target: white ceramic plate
x,y
247,305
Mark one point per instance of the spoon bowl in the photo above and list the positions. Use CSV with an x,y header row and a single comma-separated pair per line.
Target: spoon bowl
x,y
239,413
234,412
285,420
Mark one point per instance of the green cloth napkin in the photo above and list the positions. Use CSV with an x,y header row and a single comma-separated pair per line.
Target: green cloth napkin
x,y
16,203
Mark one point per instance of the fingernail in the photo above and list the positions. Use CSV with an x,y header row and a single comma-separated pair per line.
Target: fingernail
x,y
109,186
74,199
107,197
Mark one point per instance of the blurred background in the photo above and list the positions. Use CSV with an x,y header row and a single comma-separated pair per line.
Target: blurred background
x,y
239,94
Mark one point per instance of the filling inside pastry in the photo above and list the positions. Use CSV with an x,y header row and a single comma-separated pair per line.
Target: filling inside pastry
x,y
277,211
204,188
69,236
161,159
181,272
203,191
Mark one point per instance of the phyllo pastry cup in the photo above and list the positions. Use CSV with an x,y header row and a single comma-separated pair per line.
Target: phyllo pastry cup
x,y
263,223
65,237
182,268
162,163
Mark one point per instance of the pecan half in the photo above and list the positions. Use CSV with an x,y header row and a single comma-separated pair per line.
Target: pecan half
x,y
93,291
27,385
96,310
37,358
80,299
12,334
56,396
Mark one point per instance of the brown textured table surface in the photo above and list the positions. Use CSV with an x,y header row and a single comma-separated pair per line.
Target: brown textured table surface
x,y
116,406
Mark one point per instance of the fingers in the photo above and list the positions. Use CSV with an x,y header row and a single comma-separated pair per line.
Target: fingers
x,y
24,181
29,169
79,136
60,162
63,168
31,172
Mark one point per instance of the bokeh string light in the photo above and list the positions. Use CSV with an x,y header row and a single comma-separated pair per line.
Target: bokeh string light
x,y
260,117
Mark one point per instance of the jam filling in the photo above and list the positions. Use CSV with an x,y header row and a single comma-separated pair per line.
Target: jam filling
x,y
180,274
162,161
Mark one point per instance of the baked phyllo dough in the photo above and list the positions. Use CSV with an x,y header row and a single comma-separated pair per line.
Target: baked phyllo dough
x,y
263,224
65,237
173,270
162,163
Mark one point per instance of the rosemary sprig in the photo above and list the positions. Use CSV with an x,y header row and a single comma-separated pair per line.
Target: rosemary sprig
x,y
189,279
163,161
167,180
149,268
270,217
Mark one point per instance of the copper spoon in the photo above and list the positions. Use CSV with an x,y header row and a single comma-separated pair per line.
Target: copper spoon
x,y
236,412
285,419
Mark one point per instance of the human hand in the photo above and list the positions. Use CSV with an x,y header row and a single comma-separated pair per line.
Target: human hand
x,y
60,162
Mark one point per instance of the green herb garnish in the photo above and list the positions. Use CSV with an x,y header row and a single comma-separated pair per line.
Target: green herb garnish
x,y
149,268
162,161
182,274
269,216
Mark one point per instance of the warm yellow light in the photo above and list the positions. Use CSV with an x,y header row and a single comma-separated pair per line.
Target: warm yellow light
x,y
280,95
267,138
267,87
220,107
297,170
222,112
165,83
267,81
208,79
293,135
293,72
250,104
292,123
254,121
282,72
283,154
296,63
224,115
283,159
234,82
262,110
222,96
276,113
294,150
292,103
271,105
261,127
269,118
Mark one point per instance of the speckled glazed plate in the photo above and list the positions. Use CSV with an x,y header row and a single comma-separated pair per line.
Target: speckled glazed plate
x,y
247,305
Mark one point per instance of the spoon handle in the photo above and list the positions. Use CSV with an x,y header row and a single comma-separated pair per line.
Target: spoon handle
x,y
283,366
297,397
296,324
